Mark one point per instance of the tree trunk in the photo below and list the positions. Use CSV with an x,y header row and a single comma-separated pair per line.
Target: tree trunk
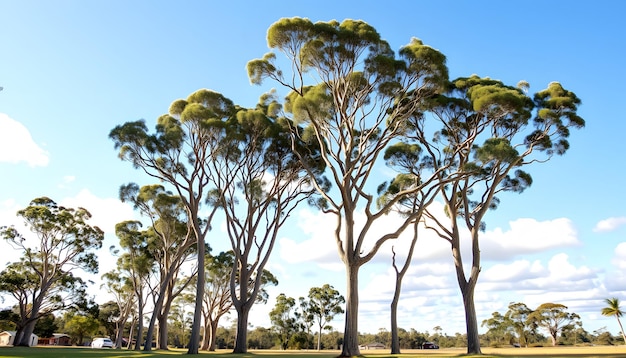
x,y
163,330
194,337
206,336
28,327
319,337
130,333
140,327
621,328
241,340
153,318
395,339
351,330
213,336
119,334
27,331
471,323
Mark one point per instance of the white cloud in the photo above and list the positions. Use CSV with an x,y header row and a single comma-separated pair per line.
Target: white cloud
x,y
68,179
17,145
528,236
105,212
619,260
610,224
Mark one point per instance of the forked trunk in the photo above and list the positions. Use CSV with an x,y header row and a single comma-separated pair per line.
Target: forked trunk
x,y
351,331
29,326
213,336
206,336
24,339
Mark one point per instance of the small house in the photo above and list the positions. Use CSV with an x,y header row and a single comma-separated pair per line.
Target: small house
x,y
57,339
375,345
7,339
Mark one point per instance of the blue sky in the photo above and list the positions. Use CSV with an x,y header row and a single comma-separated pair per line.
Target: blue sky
x,y
73,70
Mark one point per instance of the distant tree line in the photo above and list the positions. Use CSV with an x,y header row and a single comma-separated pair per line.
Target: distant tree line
x,y
525,327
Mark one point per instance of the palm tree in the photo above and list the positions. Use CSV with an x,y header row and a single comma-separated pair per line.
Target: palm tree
x,y
613,310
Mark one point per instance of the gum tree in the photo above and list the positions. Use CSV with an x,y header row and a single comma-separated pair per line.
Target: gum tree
x,y
170,243
284,321
554,318
120,288
177,154
518,314
355,104
218,300
137,264
260,182
323,305
43,280
491,132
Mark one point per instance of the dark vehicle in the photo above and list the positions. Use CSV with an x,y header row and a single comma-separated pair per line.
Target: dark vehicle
x,y
429,345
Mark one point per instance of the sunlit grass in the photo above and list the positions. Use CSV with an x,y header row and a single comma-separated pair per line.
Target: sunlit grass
x,y
86,352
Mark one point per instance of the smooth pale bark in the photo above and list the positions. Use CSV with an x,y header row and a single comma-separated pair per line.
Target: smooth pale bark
x,y
210,336
350,346
163,325
241,344
139,324
467,290
27,331
395,339
194,339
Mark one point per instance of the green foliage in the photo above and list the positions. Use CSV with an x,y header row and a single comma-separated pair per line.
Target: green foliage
x,y
613,309
554,318
284,323
80,326
46,326
42,281
323,304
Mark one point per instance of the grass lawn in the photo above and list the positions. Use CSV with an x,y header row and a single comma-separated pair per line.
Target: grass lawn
x,y
86,352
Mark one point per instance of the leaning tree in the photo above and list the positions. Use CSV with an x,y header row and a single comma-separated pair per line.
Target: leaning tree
x,y
355,104
613,309
43,280
491,132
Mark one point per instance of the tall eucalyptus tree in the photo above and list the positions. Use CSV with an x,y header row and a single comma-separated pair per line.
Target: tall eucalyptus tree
x,y
352,96
260,181
491,131
177,154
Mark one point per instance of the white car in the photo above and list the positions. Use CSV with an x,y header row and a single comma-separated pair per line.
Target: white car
x,y
102,343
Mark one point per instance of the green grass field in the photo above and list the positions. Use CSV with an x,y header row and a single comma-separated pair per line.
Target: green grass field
x,y
85,352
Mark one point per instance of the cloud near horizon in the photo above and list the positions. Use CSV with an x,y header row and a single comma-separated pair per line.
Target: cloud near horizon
x,y
17,145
